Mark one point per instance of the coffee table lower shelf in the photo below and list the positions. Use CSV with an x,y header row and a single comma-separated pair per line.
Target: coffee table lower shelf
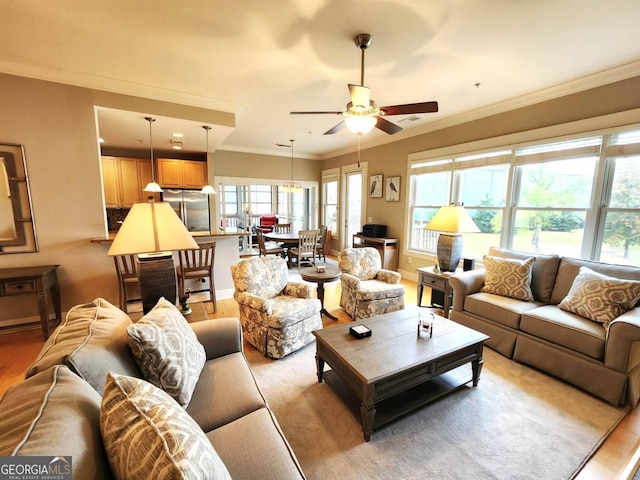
x,y
405,402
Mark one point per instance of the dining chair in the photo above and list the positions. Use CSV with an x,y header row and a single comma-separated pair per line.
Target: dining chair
x,y
127,270
198,264
282,228
264,250
306,249
321,243
267,222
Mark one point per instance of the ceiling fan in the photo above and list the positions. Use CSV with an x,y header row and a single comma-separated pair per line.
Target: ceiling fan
x,y
362,113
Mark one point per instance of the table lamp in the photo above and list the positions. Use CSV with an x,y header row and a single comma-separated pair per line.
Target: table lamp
x,y
451,221
152,231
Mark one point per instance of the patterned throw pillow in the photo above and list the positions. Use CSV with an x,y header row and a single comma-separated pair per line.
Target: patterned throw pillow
x,y
146,434
508,277
600,298
167,351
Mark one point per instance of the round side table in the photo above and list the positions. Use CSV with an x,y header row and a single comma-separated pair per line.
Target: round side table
x,y
311,274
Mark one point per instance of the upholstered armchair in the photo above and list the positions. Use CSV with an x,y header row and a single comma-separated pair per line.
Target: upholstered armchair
x,y
367,289
277,316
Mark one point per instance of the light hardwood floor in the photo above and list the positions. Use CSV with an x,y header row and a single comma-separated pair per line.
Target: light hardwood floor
x,y
616,458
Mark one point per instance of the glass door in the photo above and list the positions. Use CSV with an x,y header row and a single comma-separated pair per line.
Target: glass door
x,y
353,206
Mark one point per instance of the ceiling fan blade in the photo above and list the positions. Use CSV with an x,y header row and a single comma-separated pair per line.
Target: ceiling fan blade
x,y
360,96
423,107
386,126
335,129
316,113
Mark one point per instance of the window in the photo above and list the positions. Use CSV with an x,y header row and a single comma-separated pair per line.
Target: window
x,y
330,201
429,191
577,197
621,213
242,202
483,194
262,199
479,182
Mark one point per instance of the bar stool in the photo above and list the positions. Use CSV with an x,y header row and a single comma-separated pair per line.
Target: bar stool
x,y
198,263
127,270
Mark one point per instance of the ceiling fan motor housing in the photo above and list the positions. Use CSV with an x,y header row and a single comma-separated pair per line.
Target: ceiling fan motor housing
x,y
363,40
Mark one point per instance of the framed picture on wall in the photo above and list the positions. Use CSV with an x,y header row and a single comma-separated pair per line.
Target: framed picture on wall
x,y
375,186
393,189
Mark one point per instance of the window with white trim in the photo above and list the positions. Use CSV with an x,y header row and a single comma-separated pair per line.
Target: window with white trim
x,y
578,197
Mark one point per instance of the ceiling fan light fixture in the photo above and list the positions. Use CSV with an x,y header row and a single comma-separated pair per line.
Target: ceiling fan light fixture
x,y
360,124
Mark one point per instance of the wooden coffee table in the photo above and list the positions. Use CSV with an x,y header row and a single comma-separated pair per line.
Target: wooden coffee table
x,y
394,371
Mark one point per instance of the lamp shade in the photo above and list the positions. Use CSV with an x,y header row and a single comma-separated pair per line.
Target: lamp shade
x,y
150,228
452,219
152,187
208,190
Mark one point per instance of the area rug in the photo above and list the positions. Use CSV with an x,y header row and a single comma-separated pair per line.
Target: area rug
x,y
517,424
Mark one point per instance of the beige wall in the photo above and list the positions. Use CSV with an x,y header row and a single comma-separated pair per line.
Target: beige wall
x,y
56,125
248,165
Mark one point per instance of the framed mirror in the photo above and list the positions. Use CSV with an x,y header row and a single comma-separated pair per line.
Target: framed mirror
x,y
17,229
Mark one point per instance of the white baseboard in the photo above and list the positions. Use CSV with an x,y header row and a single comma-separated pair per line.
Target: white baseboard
x,y
13,322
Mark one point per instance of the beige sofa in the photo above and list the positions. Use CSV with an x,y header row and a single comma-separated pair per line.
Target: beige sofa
x,y
56,410
603,361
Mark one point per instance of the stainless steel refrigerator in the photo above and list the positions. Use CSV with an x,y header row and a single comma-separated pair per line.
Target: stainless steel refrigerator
x,y
191,206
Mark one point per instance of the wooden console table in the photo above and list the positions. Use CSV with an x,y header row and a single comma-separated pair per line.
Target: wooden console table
x,y
388,248
40,281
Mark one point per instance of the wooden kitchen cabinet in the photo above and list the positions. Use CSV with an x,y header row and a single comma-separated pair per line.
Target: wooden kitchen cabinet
x,y
124,180
129,182
110,181
174,173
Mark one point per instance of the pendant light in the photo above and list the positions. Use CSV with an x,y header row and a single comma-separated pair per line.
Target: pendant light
x,y
207,189
291,186
152,186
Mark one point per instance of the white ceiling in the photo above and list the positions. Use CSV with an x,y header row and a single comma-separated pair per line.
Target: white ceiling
x,y
261,59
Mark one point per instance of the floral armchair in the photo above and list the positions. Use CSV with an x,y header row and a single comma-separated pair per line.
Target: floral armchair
x,y
367,289
277,316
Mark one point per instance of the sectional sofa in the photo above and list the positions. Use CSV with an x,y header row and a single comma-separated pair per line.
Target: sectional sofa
x,y
85,397
580,324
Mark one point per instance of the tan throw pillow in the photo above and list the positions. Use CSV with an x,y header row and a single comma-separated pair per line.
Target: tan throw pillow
x,y
92,341
508,277
167,351
146,434
54,412
600,298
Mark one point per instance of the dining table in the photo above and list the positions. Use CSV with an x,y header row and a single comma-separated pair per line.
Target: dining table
x,y
287,239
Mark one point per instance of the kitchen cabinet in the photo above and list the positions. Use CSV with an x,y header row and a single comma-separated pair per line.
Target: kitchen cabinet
x,y
110,181
124,179
174,173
